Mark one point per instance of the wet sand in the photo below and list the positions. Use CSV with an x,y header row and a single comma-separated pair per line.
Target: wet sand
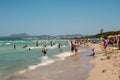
x,y
75,67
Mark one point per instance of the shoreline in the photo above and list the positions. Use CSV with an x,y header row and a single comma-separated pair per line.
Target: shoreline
x,y
70,68
100,67
107,66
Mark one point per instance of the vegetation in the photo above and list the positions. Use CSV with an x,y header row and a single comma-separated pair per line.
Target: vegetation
x,y
110,33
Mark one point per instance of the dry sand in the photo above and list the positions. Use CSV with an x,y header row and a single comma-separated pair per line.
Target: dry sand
x,y
107,66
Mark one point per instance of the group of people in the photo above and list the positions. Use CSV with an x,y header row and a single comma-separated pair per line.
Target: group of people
x,y
75,46
115,42
44,50
108,41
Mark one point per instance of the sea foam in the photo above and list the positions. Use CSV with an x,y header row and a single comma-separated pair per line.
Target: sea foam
x,y
63,55
34,47
44,61
7,43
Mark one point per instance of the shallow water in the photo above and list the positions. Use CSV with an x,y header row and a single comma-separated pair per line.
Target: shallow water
x,y
21,59
75,67
14,60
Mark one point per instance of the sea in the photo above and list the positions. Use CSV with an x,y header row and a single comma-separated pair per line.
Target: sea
x,y
19,59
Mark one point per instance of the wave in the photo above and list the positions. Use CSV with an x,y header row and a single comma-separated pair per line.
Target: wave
x,y
45,60
34,47
7,43
22,71
55,46
63,55
63,46
21,41
52,47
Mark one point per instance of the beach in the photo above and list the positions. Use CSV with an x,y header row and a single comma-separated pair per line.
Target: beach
x,y
107,66
59,39
73,67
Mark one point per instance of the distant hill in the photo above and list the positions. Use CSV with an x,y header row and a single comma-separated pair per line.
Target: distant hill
x,y
46,36
27,36
70,36
20,35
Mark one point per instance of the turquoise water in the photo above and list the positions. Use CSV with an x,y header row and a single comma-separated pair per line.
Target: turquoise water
x,y
14,60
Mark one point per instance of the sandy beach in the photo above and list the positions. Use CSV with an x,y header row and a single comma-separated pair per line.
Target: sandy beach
x,y
107,66
78,67
73,67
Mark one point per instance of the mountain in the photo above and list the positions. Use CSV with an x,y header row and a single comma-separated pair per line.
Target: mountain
x,y
46,37
29,37
20,35
70,36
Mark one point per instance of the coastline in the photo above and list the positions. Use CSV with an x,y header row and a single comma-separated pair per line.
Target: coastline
x,y
102,67
107,66
73,67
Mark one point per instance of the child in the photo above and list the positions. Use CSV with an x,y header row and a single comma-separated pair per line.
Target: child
x,y
93,52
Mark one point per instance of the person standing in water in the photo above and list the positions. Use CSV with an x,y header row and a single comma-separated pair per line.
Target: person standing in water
x,y
59,47
14,46
76,46
36,43
44,50
51,43
72,47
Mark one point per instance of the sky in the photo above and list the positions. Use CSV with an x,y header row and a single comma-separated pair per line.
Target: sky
x,y
58,17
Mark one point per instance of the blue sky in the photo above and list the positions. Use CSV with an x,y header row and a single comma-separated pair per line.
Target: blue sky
x,y
56,17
